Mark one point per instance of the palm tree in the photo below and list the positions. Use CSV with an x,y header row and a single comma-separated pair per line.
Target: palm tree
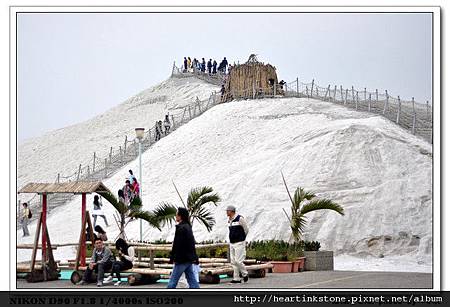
x,y
303,203
196,201
157,218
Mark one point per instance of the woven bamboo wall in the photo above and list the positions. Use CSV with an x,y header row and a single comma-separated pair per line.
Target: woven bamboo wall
x,y
249,80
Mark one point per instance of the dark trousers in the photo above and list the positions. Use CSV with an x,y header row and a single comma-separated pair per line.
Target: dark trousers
x,y
100,269
118,266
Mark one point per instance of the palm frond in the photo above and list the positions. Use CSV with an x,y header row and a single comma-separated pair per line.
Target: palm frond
x,y
319,204
195,194
205,217
205,199
165,213
149,217
136,204
119,206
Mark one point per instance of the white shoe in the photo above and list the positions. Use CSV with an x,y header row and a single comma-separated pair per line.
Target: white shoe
x,y
108,280
117,283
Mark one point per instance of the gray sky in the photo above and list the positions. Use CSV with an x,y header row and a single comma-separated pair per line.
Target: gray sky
x,y
72,67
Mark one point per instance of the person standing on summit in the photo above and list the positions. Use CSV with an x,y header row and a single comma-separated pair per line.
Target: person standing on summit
x,y
214,67
225,64
238,231
185,64
209,65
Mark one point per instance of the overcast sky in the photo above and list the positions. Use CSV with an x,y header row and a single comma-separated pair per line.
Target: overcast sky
x,y
72,67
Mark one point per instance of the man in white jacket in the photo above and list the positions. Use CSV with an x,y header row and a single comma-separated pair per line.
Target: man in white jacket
x,y
238,231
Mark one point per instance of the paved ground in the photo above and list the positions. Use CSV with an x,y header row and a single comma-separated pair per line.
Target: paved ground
x,y
303,280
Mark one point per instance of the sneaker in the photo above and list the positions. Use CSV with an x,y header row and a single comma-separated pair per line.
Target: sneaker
x,y
117,283
108,280
245,278
235,282
99,284
82,283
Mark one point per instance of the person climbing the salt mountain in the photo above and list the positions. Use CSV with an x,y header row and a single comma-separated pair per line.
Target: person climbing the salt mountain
x,y
127,192
157,132
203,65
185,64
166,124
131,177
135,189
238,231
98,210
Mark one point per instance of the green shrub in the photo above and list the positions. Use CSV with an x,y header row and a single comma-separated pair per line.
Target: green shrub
x,y
312,245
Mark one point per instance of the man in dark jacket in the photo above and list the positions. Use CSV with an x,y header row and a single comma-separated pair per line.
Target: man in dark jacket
x,y
214,66
185,64
225,64
203,65
183,253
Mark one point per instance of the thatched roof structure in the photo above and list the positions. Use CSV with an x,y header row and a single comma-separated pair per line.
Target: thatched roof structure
x,y
252,79
66,187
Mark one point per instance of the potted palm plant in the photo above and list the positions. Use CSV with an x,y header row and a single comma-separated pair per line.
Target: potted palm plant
x,y
303,203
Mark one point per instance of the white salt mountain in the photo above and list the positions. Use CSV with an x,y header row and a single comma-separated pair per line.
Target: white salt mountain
x,y
40,159
377,171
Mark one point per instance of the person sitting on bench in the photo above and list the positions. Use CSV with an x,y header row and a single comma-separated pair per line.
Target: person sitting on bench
x,y
125,262
101,261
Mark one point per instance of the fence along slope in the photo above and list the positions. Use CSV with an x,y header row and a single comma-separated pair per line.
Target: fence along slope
x,y
100,168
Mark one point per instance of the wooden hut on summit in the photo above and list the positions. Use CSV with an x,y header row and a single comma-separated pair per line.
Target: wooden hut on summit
x,y
252,79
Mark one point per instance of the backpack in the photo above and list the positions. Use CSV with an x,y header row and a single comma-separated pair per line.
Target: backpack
x,y
30,215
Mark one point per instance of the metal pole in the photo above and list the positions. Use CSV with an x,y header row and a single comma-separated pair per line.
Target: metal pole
x,y
328,90
334,93
414,118
346,95
342,95
357,100
297,88
140,186
370,102
312,87
353,94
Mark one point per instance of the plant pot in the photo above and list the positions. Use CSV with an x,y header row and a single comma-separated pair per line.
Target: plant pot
x,y
281,266
301,263
295,266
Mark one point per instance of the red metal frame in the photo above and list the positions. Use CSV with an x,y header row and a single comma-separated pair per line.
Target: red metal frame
x,y
83,236
44,227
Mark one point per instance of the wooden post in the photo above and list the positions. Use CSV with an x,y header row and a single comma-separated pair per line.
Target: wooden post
x,y
353,94
44,236
365,94
298,94
312,88
342,95
370,101
79,172
334,93
386,103
398,109
83,230
93,166
152,259
328,90
106,168
357,100
346,95
125,146
414,118
88,171
376,95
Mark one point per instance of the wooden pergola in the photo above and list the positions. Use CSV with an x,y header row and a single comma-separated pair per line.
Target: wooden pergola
x,y
45,189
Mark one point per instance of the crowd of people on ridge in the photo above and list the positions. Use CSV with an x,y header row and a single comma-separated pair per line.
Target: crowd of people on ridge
x,y
211,67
